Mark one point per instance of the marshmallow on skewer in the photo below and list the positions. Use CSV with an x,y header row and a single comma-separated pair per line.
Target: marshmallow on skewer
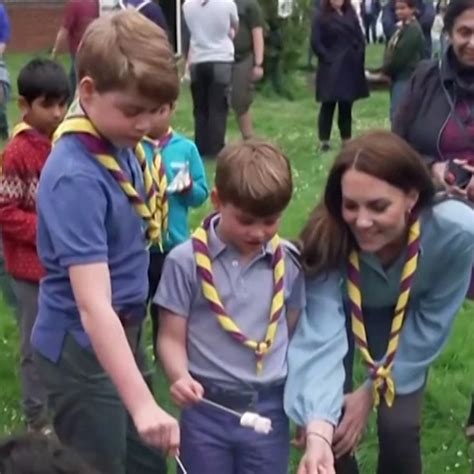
x,y
260,424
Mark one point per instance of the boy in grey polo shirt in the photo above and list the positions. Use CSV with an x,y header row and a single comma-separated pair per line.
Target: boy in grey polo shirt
x,y
212,357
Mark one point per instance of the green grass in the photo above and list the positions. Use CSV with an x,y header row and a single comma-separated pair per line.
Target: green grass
x,y
292,125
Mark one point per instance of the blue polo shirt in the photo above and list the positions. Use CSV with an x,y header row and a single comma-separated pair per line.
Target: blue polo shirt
x,y
84,217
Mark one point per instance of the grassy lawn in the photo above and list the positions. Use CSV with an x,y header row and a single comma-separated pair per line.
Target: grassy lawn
x,y
292,125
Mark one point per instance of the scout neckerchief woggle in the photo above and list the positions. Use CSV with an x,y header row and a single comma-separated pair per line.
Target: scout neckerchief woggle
x,y
159,175
204,269
147,208
381,375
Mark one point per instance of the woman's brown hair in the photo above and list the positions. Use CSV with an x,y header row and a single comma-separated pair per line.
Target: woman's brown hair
x,y
326,240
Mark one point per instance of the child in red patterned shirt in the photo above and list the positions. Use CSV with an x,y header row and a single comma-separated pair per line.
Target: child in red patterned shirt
x,y
43,89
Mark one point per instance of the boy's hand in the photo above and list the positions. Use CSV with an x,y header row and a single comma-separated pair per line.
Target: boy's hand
x,y
186,391
158,429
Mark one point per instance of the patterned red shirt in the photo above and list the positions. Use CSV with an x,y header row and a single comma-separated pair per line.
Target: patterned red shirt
x,y
23,160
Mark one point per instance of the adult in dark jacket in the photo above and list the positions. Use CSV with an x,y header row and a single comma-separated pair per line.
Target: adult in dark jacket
x,y
338,43
426,15
369,12
436,115
148,8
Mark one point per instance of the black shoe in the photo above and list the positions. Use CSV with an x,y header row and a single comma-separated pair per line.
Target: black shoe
x,y
325,146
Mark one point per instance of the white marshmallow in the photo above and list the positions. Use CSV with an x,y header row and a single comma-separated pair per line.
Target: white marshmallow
x,y
263,425
260,424
249,419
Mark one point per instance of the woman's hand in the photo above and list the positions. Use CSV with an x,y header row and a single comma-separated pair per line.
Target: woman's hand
x,y
470,187
318,457
357,408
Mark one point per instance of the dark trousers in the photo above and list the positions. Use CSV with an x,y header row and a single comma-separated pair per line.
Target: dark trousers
x,y
210,88
213,442
344,120
155,269
470,420
89,415
398,427
370,23
398,430
33,394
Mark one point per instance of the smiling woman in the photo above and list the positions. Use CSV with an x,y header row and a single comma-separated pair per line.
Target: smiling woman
x,y
384,257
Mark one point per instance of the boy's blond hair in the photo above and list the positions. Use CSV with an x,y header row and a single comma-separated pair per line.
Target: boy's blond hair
x,y
126,50
254,176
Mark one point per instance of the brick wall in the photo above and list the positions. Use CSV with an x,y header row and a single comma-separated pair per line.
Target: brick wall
x,y
34,24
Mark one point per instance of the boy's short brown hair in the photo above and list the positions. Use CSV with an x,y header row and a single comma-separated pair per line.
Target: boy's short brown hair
x,y
254,176
124,50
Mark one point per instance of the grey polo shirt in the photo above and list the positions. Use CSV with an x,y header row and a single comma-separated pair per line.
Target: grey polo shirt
x,y
246,293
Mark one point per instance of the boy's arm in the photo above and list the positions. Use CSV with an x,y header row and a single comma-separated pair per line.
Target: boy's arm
x,y
93,294
80,241
15,222
184,389
199,192
172,345
174,296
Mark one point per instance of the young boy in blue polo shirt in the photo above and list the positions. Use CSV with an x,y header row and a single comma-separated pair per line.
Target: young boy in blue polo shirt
x,y
229,298
96,218
183,186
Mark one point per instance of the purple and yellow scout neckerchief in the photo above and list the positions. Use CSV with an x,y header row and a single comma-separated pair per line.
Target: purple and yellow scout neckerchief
x,y
204,268
150,208
381,375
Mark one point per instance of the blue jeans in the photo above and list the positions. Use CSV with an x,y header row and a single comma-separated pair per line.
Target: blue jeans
x,y
213,442
397,91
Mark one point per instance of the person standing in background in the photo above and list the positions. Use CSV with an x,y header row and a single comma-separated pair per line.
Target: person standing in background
x,y
338,43
6,289
77,17
369,12
425,15
148,9
248,66
212,25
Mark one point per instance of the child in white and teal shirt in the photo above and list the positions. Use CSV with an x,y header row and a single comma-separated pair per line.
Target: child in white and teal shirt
x,y
179,156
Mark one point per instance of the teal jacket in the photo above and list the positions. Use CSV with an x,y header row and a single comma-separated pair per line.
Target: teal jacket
x,y
176,153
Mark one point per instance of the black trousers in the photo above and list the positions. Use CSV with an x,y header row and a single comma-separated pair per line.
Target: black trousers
x,y
370,24
155,270
398,428
470,420
344,120
210,87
